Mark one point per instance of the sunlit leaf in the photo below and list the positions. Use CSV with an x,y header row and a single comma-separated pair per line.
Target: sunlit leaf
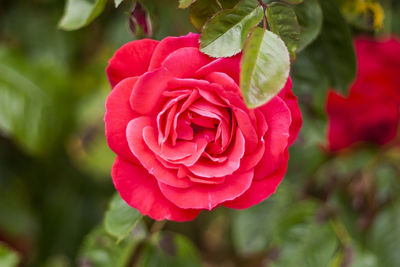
x,y
185,3
79,13
8,257
117,2
283,22
264,67
225,34
120,218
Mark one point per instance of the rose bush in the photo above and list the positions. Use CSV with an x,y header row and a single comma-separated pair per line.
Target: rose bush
x,y
184,139
371,111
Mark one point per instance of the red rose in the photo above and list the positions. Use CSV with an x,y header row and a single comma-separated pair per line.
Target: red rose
x,y
371,111
184,139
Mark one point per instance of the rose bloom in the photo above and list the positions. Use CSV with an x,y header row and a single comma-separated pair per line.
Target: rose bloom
x,y
370,113
184,139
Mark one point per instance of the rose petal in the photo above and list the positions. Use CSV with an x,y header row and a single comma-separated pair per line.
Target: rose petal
x,y
204,196
230,66
147,93
277,115
184,62
259,189
169,45
140,190
118,114
132,59
146,157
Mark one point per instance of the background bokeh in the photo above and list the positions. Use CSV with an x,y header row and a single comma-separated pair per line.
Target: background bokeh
x,y
330,210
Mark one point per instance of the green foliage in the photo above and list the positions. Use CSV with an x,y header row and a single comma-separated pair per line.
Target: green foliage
x,y
264,67
120,218
283,22
8,257
202,10
99,249
225,34
334,47
79,13
185,3
309,16
170,250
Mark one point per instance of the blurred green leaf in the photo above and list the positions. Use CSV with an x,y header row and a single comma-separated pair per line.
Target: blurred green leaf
x,y
203,10
225,34
170,250
264,67
8,257
307,245
334,47
100,249
28,113
383,239
117,2
294,2
79,13
309,16
283,22
185,3
120,218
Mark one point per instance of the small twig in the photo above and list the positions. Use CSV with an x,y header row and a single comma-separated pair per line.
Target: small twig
x,y
264,6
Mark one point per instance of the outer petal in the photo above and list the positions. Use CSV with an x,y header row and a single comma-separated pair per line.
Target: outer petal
x,y
169,45
132,59
291,101
140,190
230,66
208,196
259,189
118,114
277,115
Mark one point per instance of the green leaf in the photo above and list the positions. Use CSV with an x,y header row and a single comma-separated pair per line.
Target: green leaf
x,y
383,239
309,16
170,250
225,34
294,2
202,10
334,47
120,218
99,249
117,2
310,244
283,21
185,3
79,13
8,257
264,67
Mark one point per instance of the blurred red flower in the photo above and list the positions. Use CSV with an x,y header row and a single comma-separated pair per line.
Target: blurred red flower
x,y
184,139
370,113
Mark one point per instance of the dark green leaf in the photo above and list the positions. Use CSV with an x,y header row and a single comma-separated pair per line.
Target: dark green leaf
x,y
185,3
99,249
264,67
170,250
8,258
334,47
79,13
225,34
120,218
283,21
309,15
203,10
